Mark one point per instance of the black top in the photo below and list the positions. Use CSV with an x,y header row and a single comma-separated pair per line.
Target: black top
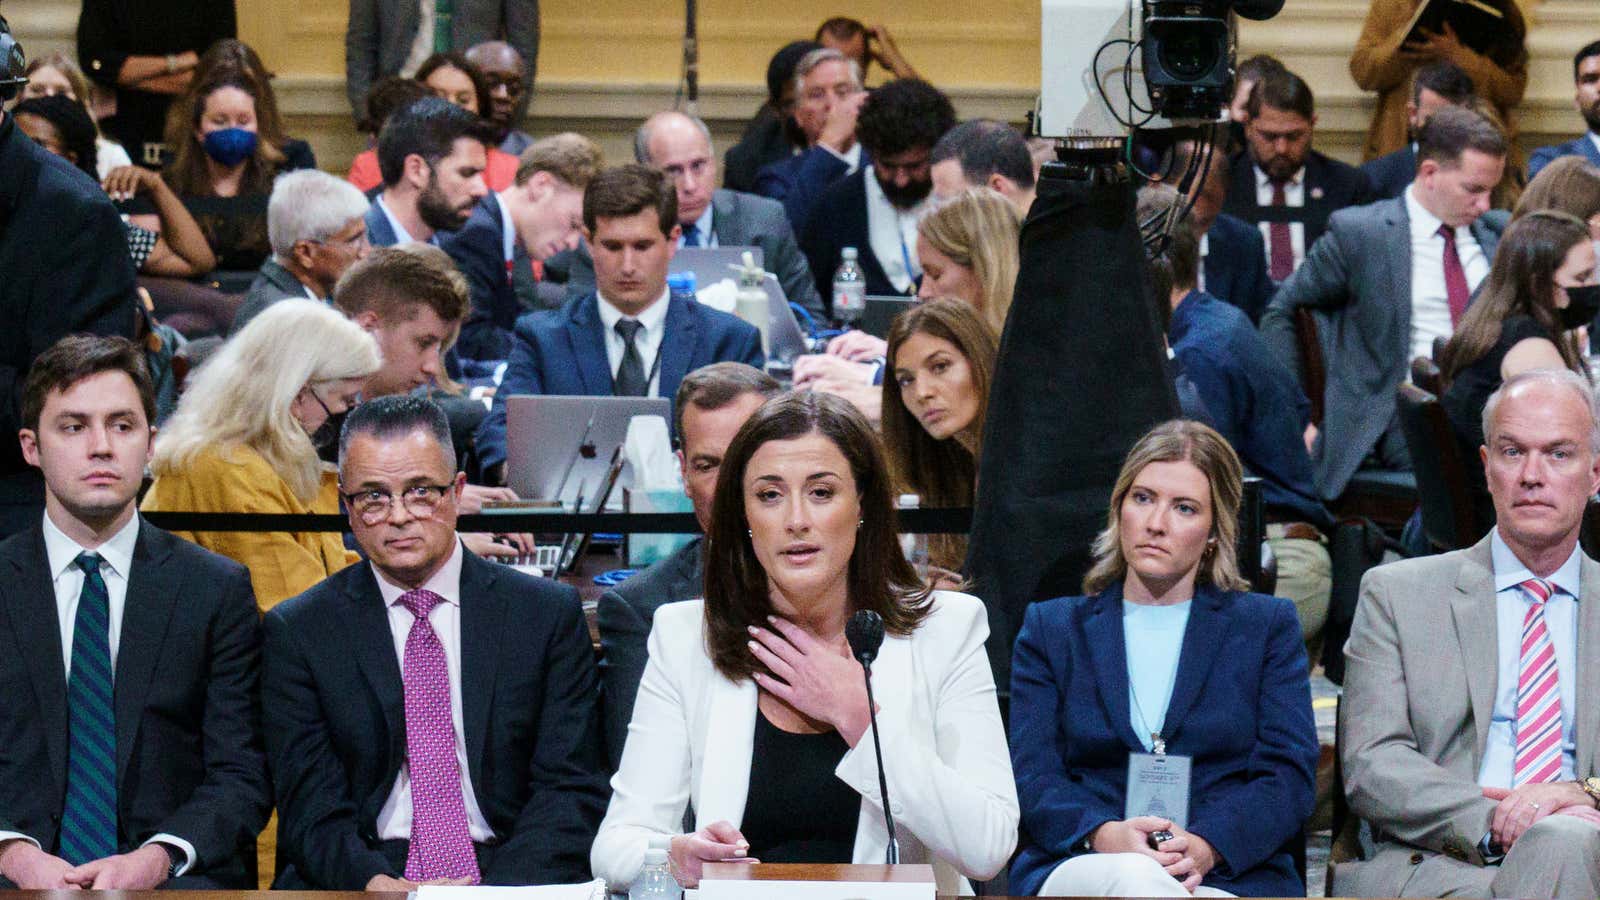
x,y
797,810
1464,399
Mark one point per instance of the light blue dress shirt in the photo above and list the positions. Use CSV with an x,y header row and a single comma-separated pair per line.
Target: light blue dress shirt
x,y
1153,636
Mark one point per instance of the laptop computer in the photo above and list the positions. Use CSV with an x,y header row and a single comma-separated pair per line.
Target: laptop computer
x,y
710,264
880,312
560,448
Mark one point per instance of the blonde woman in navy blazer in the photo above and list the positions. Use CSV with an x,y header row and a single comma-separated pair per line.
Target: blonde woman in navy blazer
x,y
1231,692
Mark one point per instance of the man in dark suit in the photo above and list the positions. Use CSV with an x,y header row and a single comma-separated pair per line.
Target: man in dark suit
x,y
162,780
1433,87
680,145
391,37
432,155
984,153
538,216
1233,264
827,102
317,225
1586,96
876,210
1386,281
1279,183
64,268
772,135
629,338
431,715
711,404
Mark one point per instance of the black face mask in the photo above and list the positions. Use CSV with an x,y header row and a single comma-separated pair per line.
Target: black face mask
x,y
1582,306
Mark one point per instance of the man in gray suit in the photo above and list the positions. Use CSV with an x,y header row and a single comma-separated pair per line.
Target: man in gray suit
x,y
393,37
711,404
1469,740
317,225
1384,281
680,145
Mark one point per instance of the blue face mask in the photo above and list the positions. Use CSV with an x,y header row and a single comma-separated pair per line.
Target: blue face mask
x,y
230,146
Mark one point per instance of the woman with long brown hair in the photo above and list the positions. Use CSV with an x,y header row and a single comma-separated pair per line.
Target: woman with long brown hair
x,y
752,710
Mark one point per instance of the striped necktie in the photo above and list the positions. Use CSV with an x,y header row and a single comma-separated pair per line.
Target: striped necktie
x,y
1538,757
89,821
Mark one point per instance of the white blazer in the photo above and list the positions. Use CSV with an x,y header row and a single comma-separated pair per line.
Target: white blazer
x,y
950,784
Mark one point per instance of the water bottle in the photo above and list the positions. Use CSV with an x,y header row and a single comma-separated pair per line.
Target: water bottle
x,y
655,881
752,304
682,285
849,288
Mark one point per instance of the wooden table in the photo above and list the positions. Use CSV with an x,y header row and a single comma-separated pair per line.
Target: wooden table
x,y
269,895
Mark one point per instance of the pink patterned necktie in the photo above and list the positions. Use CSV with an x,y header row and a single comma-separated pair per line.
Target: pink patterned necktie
x,y
1538,757
441,846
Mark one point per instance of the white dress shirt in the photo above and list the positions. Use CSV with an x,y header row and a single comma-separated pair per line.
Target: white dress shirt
x,y
892,235
708,238
1430,304
1294,194
647,340
1561,621
422,44
401,235
116,562
1200,270
394,820
1594,138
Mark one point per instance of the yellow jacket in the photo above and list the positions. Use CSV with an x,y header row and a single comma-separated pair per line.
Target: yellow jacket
x,y
281,564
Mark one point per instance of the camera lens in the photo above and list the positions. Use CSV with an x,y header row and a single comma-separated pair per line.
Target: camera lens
x,y
1188,54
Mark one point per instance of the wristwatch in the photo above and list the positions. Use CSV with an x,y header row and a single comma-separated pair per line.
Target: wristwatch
x,y
1591,786
175,859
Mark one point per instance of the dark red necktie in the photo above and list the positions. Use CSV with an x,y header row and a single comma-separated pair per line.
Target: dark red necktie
x,y
1455,277
1281,264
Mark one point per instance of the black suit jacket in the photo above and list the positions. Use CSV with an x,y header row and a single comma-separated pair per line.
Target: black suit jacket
x,y
839,220
625,614
479,252
1392,173
189,757
1236,265
1330,185
335,722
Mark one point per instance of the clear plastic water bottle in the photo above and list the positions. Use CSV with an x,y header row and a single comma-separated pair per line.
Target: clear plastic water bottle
x,y
849,288
914,546
655,881
682,284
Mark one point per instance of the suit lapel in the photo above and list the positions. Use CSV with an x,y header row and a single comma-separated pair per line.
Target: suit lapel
x,y
153,591
1107,645
483,613
1587,727
588,346
1207,628
1477,632
1587,148
729,737
1397,238
30,601
678,341
373,645
723,223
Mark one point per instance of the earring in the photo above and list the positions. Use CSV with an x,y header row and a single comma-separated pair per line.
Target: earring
x,y
750,533
860,522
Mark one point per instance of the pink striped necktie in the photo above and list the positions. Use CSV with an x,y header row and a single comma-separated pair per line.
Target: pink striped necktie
x,y
441,846
1538,695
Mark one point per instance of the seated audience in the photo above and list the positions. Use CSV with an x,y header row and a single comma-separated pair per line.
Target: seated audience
x,y
827,102
1278,168
1540,291
450,77
711,405
245,439
935,395
432,157
1433,87
534,219
1463,725
318,227
386,98
752,713
378,681
1586,96
1167,652
772,135
97,588
1437,239
1233,262
597,344
865,45
876,209
56,73
238,58
506,75
984,153
680,145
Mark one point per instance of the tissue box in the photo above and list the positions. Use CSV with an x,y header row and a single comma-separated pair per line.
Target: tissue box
x,y
646,549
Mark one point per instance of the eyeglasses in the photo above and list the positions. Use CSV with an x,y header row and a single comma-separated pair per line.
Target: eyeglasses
x,y
374,506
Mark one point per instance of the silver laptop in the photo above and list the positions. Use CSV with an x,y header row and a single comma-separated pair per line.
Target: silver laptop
x,y
785,338
710,264
559,448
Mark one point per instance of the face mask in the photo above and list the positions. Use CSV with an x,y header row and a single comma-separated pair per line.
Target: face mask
x,y
1583,303
230,146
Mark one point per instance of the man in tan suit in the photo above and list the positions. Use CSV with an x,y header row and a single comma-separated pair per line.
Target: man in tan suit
x,y
1470,725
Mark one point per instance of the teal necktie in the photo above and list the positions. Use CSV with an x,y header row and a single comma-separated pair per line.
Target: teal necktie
x,y
89,823
442,35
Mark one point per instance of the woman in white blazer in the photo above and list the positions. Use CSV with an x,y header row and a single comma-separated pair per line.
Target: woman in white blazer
x,y
802,535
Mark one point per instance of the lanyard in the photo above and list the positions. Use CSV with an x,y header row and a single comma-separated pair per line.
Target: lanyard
x,y
1158,743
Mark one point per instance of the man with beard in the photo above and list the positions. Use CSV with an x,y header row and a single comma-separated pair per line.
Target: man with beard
x,y
506,72
1586,84
1279,183
876,210
432,155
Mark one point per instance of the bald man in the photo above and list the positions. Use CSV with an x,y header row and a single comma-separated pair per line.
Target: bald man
x,y
509,85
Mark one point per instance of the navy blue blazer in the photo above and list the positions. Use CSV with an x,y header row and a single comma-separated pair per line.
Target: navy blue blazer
x,y
1241,707
1236,265
479,252
379,232
1582,145
1392,173
840,221
798,182
563,352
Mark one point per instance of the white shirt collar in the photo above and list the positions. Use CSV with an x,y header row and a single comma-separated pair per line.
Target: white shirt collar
x,y
117,552
1510,571
1264,180
1594,138
851,157
446,582
652,317
1423,223
401,235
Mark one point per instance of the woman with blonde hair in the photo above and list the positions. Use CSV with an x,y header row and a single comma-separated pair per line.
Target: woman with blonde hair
x,y
1167,652
56,73
245,439
968,250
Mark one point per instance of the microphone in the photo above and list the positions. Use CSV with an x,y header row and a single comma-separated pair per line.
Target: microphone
x,y
864,631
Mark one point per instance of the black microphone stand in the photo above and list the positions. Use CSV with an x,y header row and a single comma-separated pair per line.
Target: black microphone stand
x,y
892,854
